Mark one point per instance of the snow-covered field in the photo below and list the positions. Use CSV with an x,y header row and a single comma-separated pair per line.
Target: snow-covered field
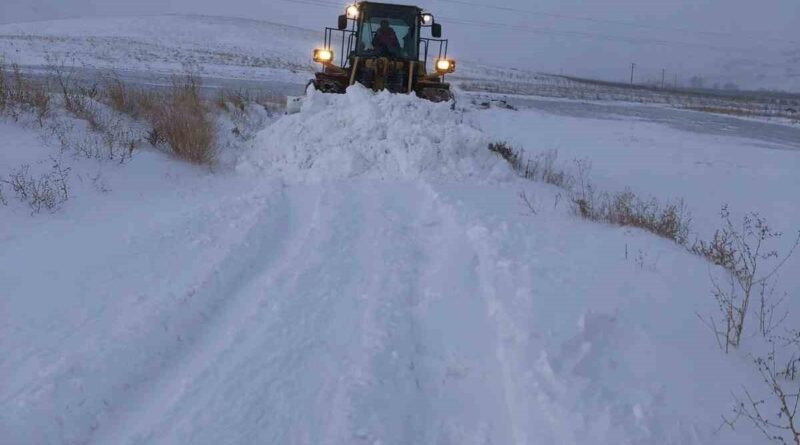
x,y
146,49
166,45
365,272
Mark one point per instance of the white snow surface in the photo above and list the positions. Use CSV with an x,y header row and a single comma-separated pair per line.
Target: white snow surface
x,y
166,44
366,135
365,274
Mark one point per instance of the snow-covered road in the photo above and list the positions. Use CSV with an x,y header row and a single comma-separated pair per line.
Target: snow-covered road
x,y
378,313
367,274
773,135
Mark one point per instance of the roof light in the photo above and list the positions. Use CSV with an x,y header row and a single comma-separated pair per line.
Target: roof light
x,y
352,12
427,18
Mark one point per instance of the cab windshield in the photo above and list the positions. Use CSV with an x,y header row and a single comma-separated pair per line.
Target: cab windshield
x,y
388,32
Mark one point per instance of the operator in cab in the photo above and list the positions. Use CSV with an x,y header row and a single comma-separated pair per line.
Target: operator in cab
x,y
385,40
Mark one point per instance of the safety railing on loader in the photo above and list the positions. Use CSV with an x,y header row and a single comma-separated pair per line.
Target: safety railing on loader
x,y
428,43
348,36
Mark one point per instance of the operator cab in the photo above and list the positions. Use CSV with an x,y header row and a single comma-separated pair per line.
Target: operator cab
x,y
388,31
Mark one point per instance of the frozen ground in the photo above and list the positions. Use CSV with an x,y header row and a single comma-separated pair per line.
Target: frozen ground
x,y
365,272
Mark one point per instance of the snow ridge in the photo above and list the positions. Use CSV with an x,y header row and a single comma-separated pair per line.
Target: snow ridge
x,y
375,136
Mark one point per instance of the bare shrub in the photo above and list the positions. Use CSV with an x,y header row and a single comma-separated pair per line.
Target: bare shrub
x,y
776,415
669,220
742,251
507,152
183,121
78,98
45,192
3,87
116,141
541,167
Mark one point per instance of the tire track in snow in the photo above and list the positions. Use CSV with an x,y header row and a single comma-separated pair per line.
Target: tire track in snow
x,y
315,343
204,312
377,398
501,305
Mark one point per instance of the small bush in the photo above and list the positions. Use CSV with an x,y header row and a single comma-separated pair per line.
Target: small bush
x,y
742,251
45,192
775,415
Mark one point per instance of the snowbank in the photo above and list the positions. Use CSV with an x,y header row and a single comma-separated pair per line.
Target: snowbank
x,y
376,136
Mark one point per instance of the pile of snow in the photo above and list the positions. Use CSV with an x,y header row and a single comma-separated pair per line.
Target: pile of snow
x,y
372,135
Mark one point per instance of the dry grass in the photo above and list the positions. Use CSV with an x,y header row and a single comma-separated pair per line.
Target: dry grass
x,y
540,168
668,220
741,112
18,94
180,119
136,103
118,97
183,120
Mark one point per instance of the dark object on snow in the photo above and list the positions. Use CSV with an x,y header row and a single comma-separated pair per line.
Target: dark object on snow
x,y
384,50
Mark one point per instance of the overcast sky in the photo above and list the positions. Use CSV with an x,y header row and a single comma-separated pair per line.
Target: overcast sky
x,y
584,37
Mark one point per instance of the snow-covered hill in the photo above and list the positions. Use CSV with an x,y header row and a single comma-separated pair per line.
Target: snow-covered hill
x,y
172,44
367,273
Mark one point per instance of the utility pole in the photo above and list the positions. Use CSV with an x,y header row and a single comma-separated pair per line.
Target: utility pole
x,y
676,81
633,65
663,73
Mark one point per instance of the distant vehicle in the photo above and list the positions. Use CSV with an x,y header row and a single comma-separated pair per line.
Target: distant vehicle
x,y
381,47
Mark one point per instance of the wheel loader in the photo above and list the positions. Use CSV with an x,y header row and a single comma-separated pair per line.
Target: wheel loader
x,y
381,46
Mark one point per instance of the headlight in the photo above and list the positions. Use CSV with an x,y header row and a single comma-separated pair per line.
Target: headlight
x,y
323,55
352,12
444,66
427,18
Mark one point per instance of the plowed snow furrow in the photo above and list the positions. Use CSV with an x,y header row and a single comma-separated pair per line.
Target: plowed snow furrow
x,y
370,325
